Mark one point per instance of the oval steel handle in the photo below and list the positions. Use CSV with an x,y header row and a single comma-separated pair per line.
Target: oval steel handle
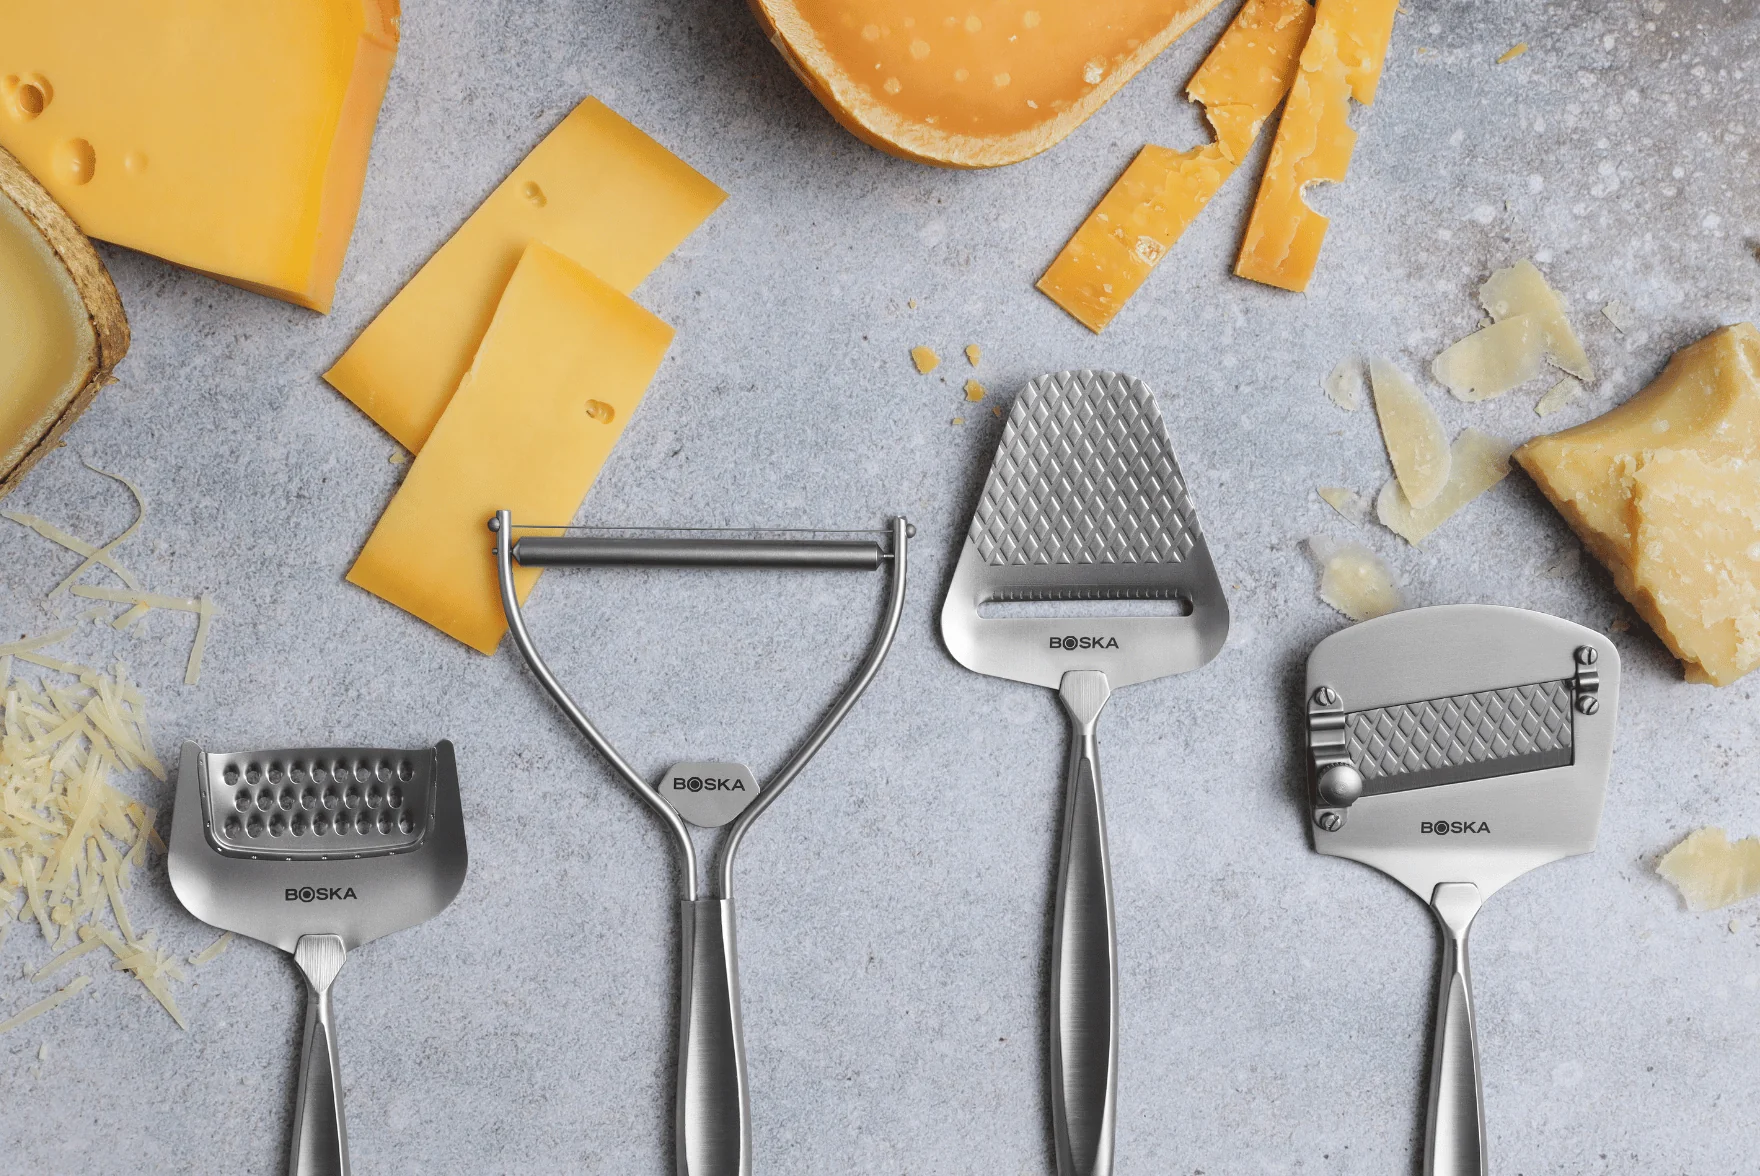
x,y
714,1107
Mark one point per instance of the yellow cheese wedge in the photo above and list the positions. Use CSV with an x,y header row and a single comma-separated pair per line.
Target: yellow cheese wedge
x,y
1712,871
62,329
1341,60
561,369
597,190
1162,192
228,137
966,85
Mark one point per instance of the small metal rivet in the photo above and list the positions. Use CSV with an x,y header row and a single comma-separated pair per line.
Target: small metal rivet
x,y
494,522
1587,655
1331,822
1587,704
1325,696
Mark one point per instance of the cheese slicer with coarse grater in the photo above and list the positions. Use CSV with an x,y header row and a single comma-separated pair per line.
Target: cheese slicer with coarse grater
x,y
317,850
1457,748
712,1122
1084,502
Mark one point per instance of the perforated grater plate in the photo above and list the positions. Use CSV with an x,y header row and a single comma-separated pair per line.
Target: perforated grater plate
x,y
319,803
1085,501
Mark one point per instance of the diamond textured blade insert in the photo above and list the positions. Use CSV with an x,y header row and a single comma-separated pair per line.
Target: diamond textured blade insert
x,y
1085,474
1464,737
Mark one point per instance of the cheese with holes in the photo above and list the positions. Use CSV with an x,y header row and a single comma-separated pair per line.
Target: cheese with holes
x,y
965,85
597,190
61,324
1675,538
230,138
1341,60
563,365
1416,444
1711,871
1162,192
1477,462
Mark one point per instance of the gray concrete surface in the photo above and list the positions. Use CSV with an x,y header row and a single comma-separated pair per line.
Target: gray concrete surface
x,y
894,905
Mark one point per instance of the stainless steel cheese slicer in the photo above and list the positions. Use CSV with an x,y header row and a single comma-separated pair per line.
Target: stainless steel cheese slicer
x,y
712,1126
1085,502
1456,748
317,851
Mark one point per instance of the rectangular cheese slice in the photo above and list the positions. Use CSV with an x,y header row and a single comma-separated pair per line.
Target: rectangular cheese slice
x,y
597,190
1162,192
228,137
1706,403
1341,60
563,365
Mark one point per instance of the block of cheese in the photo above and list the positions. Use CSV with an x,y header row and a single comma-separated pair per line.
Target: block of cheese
x,y
965,85
597,190
559,372
61,324
1706,403
1341,60
1162,192
230,138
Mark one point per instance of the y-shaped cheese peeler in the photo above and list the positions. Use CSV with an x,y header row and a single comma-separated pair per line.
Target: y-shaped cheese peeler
x,y
1457,748
713,1125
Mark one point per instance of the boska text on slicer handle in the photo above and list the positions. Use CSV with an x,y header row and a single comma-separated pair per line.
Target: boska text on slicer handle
x,y
320,1136
1454,1135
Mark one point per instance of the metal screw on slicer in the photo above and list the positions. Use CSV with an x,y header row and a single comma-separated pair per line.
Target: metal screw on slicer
x,y
713,1126
362,842
1085,502
1481,738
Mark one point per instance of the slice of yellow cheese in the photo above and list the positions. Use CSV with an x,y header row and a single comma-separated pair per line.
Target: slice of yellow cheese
x,y
1341,60
597,190
561,369
228,137
1706,403
1162,192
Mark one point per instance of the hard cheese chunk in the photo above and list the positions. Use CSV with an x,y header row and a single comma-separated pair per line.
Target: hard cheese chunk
x,y
561,369
597,190
1712,871
48,347
1341,60
231,138
1162,192
1706,403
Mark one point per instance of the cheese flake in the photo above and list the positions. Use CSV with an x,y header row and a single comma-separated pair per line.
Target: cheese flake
x,y
1354,580
1416,444
1478,462
1493,360
1711,871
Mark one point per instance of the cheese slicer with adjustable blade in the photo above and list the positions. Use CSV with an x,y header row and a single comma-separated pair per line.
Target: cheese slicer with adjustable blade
x,y
1456,748
713,1126
1084,502
317,851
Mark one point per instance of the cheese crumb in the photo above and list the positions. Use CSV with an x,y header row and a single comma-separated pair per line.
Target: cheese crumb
x,y
1479,462
1346,502
1344,384
397,457
974,391
1513,52
1558,396
1710,871
925,359
1353,580
1413,433
973,353
1620,315
957,421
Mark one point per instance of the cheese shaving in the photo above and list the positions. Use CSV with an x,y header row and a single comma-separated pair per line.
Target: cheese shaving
x,y
1354,581
1558,396
1346,502
1513,52
1416,444
1711,871
211,952
102,554
78,546
1478,462
52,1001
1344,384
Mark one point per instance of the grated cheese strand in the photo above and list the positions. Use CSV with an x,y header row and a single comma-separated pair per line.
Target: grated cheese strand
x,y
47,1004
78,546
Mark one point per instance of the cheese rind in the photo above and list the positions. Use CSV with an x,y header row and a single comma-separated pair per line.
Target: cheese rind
x,y
596,189
1416,444
1162,192
518,436
1341,60
1477,462
229,138
1705,403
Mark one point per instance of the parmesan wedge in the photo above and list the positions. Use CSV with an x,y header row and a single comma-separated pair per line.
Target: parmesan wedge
x,y
1415,442
1479,462
1490,362
1711,871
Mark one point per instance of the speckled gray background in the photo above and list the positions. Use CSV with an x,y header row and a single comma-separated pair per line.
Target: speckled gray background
x,y
894,905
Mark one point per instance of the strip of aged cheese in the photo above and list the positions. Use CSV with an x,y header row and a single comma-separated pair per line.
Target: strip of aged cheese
x,y
561,369
1706,402
1711,871
1522,290
1354,580
1341,60
230,138
1477,462
1416,444
1162,192
597,190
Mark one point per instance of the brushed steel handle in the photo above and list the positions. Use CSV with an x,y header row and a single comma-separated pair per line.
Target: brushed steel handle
x,y
320,1136
1454,1136
714,1106
1084,953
